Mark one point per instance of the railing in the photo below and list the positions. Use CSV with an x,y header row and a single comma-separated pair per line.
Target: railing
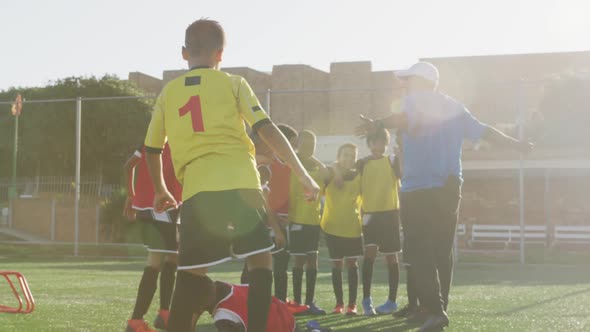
x,y
63,185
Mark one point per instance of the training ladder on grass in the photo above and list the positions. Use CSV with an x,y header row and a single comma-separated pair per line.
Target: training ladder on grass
x,y
24,297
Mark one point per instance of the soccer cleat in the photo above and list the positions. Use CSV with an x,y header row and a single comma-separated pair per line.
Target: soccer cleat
x,y
368,309
435,323
405,312
138,325
296,308
315,310
339,309
351,310
161,321
386,308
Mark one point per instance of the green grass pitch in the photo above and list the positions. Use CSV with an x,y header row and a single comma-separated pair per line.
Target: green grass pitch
x,y
98,295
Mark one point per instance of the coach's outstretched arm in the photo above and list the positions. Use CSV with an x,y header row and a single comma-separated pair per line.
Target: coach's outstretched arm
x,y
498,138
274,138
400,121
395,120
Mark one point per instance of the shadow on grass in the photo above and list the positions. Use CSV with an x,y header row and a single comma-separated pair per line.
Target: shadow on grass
x,y
542,302
359,323
206,328
514,274
465,274
340,323
67,259
78,264
105,265
385,326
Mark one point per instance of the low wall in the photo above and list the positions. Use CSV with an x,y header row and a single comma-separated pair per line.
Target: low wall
x,y
54,218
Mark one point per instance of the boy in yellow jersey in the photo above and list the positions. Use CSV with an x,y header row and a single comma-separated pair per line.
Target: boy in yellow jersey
x,y
381,224
341,223
202,114
304,231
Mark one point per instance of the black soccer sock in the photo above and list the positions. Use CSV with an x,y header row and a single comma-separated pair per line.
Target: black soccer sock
x,y
367,276
281,277
297,283
190,292
353,284
244,275
167,279
310,281
337,285
393,280
411,287
145,292
259,299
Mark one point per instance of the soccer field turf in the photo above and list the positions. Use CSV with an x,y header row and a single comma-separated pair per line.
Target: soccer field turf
x,y
96,295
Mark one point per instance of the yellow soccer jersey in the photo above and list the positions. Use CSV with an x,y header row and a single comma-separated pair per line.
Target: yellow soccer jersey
x,y
342,215
380,185
202,115
302,211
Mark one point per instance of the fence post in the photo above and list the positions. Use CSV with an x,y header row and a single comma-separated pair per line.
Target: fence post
x,y
53,219
36,185
455,248
97,222
10,213
99,184
521,173
546,202
77,189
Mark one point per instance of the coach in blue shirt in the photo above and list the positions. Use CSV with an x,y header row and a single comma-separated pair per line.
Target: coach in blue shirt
x,y
433,128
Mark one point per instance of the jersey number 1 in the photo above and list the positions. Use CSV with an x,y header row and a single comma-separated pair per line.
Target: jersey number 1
x,y
193,105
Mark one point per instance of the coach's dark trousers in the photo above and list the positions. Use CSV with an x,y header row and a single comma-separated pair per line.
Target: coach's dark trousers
x,y
430,218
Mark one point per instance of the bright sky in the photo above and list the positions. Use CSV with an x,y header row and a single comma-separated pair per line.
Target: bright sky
x,y
46,40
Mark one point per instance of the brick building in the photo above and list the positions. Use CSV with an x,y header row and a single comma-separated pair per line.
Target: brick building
x,y
308,98
498,89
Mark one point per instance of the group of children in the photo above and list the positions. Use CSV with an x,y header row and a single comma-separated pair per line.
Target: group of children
x,y
235,187
359,217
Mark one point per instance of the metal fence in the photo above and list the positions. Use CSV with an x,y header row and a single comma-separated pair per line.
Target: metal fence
x,y
77,185
28,187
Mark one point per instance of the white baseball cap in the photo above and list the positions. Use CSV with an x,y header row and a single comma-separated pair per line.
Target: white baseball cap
x,y
423,69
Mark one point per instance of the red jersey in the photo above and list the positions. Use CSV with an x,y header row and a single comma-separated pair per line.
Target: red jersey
x,y
236,304
144,189
278,199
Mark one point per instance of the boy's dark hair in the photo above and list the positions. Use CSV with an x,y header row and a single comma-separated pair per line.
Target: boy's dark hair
x,y
377,135
346,146
306,144
203,37
288,131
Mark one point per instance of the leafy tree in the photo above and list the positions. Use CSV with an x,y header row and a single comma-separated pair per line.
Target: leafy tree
x,y
110,129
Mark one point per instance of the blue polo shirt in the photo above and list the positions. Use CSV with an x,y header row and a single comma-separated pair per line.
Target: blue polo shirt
x,y
437,126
